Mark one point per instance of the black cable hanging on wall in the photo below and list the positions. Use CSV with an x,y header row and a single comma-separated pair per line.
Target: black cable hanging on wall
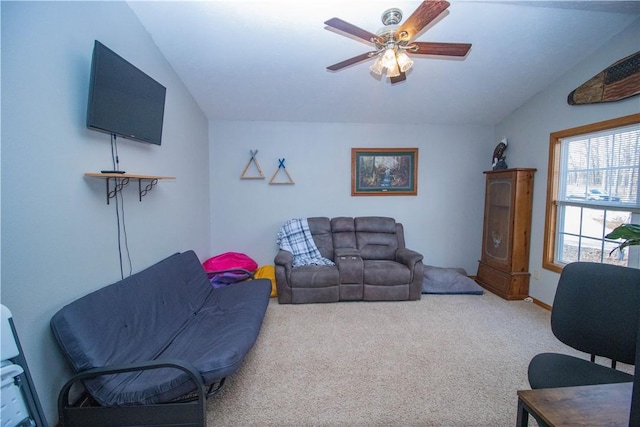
x,y
120,216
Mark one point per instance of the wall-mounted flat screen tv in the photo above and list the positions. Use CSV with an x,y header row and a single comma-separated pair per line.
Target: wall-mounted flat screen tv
x,y
123,100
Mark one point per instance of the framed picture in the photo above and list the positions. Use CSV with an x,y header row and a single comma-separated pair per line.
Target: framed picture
x,y
384,171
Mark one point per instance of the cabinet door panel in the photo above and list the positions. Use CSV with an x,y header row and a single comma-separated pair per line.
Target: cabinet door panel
x,y
498,222
497,280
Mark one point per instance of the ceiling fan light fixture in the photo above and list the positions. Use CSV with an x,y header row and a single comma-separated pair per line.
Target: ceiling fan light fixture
x,y
377,66
393,71
404,62
389,58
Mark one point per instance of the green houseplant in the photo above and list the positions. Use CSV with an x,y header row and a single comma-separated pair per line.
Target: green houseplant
x,y
629,232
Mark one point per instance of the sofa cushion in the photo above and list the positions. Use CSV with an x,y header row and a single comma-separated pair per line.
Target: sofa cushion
x,y
314,276
376,237
320,229
214,342
383,272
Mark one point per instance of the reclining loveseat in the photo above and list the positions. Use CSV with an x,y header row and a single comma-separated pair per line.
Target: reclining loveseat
x,y
369,261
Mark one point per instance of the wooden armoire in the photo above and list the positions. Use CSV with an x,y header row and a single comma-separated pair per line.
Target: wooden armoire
x,y
504,263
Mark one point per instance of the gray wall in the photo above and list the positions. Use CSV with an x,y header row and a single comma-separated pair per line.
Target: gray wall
x,y
58,234
530,125
443,222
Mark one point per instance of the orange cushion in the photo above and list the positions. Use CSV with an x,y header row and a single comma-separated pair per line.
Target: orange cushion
x,y
268,272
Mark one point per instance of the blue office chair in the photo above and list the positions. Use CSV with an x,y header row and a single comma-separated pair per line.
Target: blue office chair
x,y
596,310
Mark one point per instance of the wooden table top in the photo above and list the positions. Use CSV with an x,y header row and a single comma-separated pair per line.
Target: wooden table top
x,y
593,405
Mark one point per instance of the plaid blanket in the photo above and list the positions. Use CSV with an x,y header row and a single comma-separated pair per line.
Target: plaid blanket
x,y
295,237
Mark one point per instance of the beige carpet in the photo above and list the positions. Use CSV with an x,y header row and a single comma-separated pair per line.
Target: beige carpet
x,y
447,360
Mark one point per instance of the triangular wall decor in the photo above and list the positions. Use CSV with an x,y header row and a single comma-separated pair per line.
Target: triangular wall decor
x,y
256,165
281,166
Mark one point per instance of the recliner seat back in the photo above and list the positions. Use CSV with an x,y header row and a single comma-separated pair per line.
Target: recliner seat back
x,y
376,238
320,228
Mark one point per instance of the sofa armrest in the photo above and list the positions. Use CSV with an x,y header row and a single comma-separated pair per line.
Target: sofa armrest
x,y
159,414
408,257
413,260
283,265
284,258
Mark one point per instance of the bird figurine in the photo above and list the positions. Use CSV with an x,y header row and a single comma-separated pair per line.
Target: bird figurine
x,y
498,155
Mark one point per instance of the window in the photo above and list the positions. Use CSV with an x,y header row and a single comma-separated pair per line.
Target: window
x,y
592,188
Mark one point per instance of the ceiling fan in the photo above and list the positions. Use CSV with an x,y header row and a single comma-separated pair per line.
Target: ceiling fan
x,y
393,42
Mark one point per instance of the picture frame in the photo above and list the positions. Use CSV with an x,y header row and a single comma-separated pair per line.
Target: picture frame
x,y
384,171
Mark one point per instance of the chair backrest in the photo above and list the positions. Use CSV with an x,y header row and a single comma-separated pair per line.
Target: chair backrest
x,y
597,309
320,228
634,415
376,237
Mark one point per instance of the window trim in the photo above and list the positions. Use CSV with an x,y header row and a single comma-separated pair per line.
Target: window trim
x,y
553,175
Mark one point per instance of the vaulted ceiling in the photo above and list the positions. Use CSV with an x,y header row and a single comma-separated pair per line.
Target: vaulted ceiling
x,y
266,60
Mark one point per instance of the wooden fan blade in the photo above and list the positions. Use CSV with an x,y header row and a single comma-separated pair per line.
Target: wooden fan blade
x,y
402,77
420,18
350,61
348,28
444,49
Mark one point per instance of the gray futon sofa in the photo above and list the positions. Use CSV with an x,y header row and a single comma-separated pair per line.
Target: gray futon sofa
x,y
139,346
371,263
